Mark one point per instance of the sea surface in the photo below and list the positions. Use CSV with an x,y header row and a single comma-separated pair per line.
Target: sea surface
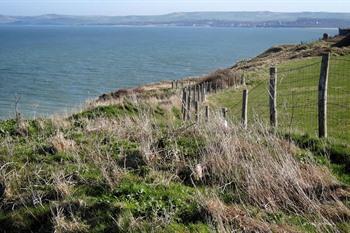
x,y
53,69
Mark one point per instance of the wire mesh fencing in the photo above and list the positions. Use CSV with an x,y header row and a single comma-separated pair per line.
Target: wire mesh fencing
x,y
297,98
338,101
303,101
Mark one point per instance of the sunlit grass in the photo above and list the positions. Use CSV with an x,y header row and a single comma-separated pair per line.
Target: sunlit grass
x,y
297,97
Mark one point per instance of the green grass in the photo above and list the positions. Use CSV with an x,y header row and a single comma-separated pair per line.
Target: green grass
x,y
154,201
108,195
110,111
331,153
297,97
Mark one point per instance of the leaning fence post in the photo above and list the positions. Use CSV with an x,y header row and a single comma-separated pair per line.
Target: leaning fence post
x,y
194,94
224,112
203,92
207,113
198,92
184,104
322,96
188,115
273,97
183,100
245,108
196,110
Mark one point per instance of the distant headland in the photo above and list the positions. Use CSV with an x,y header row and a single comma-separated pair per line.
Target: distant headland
x,y
194,19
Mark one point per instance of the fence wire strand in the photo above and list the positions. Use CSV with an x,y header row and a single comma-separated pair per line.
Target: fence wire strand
x,y
297,98
339,98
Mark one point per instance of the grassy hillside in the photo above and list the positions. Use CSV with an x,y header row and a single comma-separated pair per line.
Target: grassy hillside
x,y
128,163
135,167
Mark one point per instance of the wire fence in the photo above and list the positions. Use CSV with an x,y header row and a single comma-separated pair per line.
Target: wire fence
x,y
339,98
298,98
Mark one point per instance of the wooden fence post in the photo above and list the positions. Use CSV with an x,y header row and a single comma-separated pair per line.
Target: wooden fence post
x,y
193,96
198,93
322,96
183,101
184,104
243,80
273,97
196,110
188,116
224,112
207,113
245,109
203,92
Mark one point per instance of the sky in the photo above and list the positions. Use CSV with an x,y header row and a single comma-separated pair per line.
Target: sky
x,y
155,7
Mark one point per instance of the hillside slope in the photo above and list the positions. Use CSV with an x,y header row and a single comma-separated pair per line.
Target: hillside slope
x,y
128,163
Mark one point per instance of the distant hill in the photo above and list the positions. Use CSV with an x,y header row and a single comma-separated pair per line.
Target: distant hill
x,y
215,19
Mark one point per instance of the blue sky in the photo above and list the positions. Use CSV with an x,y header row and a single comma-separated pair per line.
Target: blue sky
x,y
147,7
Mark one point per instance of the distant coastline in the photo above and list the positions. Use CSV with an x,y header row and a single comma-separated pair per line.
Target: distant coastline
x,y
155,26
194,19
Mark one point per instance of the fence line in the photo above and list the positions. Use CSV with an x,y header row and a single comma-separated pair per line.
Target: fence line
x,y
312,98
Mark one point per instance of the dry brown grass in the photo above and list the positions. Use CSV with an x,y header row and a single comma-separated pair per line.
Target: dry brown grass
x,y
61,144
63,184
62,224
258,168
262,170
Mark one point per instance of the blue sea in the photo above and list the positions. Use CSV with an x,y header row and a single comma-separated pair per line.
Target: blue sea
x,y
52,69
